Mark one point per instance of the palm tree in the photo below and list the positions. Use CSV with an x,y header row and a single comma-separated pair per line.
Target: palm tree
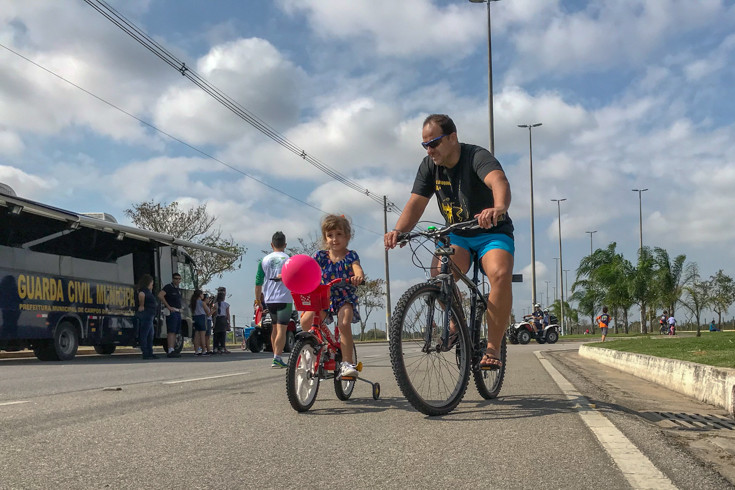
x,y
642,283
670,278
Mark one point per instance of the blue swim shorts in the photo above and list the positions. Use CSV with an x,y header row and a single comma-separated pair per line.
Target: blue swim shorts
x,y
483,243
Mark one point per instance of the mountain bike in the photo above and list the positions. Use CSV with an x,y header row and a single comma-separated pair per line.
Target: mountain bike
x,y
317,355
431,364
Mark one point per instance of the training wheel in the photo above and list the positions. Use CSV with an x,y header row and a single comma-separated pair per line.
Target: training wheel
x,y
376,391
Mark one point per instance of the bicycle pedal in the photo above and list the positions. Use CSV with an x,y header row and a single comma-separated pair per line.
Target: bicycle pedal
x,y
347,378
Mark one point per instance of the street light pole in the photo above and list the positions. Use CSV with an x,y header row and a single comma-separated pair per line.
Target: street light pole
x,y
640,214
533,239
547,293
561,266
489,73
640,249
590,233
556,278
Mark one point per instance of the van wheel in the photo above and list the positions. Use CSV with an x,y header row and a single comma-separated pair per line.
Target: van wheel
x,y
65,341
44,350
290,341
178,346
105,349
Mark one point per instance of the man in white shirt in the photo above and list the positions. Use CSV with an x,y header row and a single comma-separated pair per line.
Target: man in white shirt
x,y
277,298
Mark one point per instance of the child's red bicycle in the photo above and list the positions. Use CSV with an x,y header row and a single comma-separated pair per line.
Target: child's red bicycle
x,y
317,355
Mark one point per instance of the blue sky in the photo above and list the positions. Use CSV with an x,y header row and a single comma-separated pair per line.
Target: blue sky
x,y
631,94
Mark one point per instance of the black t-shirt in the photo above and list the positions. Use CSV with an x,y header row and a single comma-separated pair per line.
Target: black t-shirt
x,y
461,192
173,296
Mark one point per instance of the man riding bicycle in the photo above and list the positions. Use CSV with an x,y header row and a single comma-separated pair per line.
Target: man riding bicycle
x,y
468,183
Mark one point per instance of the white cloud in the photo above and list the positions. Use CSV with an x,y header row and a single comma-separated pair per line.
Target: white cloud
x,y
253,74
404,29
25,185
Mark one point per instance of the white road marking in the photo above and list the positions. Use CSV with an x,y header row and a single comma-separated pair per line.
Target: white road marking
x,y
635,466
202,379
2,404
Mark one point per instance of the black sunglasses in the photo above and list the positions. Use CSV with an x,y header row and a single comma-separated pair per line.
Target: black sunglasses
x,y
432,143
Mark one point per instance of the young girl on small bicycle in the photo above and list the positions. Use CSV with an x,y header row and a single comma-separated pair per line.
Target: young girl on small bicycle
x,y
337,262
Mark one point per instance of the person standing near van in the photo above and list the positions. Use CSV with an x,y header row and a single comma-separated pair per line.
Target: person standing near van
x,y
147,306
221,322
276,295
170,296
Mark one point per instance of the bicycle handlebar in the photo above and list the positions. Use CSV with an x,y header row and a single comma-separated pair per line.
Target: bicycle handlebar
x,y
438,233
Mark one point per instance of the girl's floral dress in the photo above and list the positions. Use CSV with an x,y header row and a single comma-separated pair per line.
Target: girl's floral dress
x,y
339,295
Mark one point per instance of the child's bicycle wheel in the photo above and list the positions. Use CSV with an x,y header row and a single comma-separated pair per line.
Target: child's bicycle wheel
x,y
344,387
302,377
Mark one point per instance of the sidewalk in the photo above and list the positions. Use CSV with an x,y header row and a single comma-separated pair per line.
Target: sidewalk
x,y
708,384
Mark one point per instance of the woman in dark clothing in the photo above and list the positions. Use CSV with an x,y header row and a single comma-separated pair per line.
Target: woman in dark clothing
x,y
147,306
221,323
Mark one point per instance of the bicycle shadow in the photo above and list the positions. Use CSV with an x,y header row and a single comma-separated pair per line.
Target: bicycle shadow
x,y
362,405
515,407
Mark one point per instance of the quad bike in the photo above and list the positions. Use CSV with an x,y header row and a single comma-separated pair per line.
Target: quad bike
x,y
260,338
523,332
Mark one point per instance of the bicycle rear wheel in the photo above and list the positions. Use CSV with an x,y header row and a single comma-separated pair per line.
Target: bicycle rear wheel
x,y
432,379
343,388
302,378
489,381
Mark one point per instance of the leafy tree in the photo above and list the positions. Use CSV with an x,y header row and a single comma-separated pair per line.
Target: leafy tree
x,y
697,297
372,296
193,225
307,246
723,293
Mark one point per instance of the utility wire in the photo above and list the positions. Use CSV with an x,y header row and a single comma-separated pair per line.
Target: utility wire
x,y
145,40
231,167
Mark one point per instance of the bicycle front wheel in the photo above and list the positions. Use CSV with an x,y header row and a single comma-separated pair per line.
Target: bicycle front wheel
x,y
489,381
431,377
302,377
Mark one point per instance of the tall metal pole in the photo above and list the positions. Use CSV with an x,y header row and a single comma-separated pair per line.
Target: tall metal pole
x,y
489,73
533,239
387,271
556,278
548,300
640,215
561,266
640,248
566,280
590,233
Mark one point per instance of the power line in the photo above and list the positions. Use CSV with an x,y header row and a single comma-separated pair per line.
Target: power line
x,y
202,152
154,47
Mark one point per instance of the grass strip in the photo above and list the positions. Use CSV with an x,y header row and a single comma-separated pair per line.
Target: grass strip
x,y
713,349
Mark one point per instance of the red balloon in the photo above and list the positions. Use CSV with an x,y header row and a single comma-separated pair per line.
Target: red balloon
x,y
301,274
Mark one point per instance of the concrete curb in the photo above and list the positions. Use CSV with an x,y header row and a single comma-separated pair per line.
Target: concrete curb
x,y
708,384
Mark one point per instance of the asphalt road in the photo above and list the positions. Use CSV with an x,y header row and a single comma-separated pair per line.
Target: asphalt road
x,y
225,422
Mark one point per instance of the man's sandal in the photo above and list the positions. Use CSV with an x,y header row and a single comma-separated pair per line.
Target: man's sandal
x,y
490,361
